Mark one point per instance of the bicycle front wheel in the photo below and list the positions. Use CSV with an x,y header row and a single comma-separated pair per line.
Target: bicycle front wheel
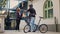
x,y
27,28
43,28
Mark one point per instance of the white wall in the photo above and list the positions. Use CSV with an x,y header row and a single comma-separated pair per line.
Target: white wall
x,y
38,5
13,3
56,9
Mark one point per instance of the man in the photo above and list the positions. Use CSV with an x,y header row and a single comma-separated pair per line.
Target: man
x,y
18,18
32,14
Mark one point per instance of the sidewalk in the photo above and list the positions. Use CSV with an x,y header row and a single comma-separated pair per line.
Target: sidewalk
x,y
21,32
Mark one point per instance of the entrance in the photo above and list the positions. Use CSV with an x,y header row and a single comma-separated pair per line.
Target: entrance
x,y
10,20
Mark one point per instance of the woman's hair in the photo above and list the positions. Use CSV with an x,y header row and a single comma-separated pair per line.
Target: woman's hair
x,y
18,8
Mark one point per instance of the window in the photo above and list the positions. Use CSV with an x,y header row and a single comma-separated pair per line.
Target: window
x,y
25,4
48,9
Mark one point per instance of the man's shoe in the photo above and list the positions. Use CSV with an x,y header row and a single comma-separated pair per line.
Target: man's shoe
x,y
33,31
29,31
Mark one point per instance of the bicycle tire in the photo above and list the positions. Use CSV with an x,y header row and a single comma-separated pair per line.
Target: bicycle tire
x,y
46,28
29,28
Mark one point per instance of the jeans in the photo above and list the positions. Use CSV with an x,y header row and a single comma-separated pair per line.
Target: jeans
x,y
32,20
17,23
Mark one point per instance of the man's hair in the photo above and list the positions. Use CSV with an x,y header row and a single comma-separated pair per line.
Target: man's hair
x,y
31,5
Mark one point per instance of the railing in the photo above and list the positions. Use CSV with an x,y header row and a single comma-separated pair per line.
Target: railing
x,y
12,23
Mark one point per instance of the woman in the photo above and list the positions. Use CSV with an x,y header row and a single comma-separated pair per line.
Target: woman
x,y
18,18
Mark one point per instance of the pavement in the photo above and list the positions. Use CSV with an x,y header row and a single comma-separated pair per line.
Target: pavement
x,y
21,32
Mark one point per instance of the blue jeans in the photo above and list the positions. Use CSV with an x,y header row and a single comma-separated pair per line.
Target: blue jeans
x,y
32,20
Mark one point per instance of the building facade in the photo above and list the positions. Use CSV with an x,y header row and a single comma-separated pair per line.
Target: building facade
x,y
50,10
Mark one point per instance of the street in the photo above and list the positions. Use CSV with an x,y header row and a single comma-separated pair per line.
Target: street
x,y
21,32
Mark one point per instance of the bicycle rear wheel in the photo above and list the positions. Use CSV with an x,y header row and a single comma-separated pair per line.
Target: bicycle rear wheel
x,y
27,28
43,28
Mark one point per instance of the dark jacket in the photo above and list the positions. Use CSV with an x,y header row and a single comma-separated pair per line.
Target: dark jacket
x,y
19,16
32,12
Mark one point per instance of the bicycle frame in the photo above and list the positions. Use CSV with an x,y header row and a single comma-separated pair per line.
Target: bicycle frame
x,y
37,27
40,20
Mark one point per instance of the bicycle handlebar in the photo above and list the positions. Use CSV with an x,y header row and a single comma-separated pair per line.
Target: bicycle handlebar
x,y
40,17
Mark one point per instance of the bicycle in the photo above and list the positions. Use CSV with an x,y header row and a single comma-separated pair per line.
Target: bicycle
x,y
43,28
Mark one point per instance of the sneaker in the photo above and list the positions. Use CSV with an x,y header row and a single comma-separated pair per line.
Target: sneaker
x,y
33,31
29,31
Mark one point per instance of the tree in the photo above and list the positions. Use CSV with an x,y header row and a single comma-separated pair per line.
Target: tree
x,y
2,3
